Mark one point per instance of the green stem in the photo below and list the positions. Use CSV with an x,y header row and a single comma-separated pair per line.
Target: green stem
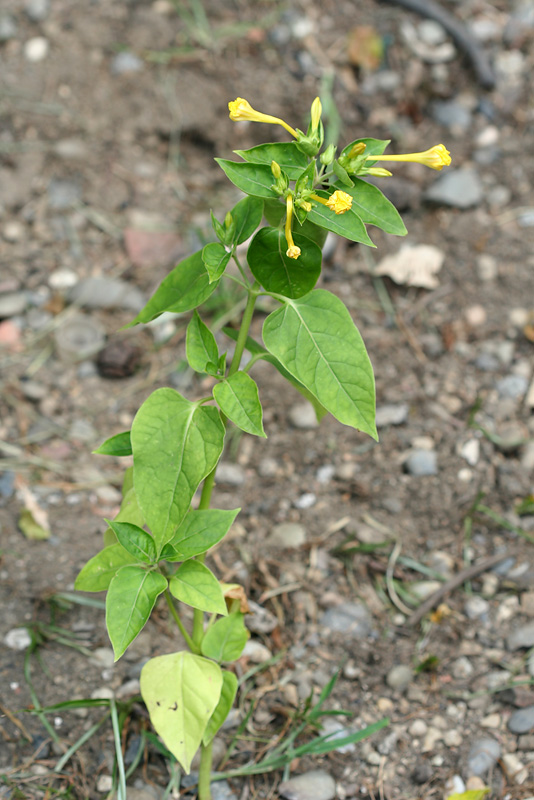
x,y
190,643
205,499
204,774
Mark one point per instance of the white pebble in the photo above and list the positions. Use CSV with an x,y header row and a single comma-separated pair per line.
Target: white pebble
x,y
104,784
18,638
36,49
475,315
418,728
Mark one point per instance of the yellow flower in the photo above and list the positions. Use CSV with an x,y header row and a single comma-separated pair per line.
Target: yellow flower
x,y
436,157
379,172
241,111
292,251
339,202
316,111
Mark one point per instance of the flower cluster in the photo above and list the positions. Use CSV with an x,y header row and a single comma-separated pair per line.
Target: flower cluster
x,y
351,163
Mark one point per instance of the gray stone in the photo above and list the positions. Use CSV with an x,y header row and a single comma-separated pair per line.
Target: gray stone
x,y
483,755
522,720
221,790
62,194
260,620
18,639
7,484
421,462
452,115
314,785
231,474
107,293
460,188
336,730
37,10
513,386
12,304
288,534
268,468
126,62
82,430
521,637
306,500
71,149
8,28
352,619
325,473
399,677
302,415
476,607
392,414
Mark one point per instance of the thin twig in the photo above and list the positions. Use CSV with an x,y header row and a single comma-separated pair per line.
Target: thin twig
x,y
457,580
395,599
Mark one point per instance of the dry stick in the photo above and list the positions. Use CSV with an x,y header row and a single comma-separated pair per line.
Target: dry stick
x,y
458,32
457,580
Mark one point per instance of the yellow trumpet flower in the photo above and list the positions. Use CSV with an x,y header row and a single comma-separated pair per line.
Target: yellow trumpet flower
x,y
292,251
338,202
316,111
436,157
241,111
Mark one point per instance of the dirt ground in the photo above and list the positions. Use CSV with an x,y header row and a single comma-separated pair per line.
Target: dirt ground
x,y
110,116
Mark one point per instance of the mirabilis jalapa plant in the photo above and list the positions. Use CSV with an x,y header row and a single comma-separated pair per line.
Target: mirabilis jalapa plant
x,y
157,544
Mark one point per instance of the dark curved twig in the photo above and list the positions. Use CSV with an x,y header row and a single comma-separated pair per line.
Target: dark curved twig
x,y
458,32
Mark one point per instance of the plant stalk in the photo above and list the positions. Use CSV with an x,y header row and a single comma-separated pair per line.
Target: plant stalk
x,y
206,754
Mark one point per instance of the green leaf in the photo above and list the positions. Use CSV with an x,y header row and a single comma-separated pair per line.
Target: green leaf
x,y
373,147
375,209
226,638
102,568
127,481
254,179
118,445
175,444
135,540
186,287
238,398
268,262
316,340
472,794
247,216
199,531
226,701
197,586
348,224
255,348
342,174
200,345
220,230
181,692
215,258
286,155
129,512
131,597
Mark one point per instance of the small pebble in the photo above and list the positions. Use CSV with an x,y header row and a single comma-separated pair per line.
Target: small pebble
x,y
522,720
351,619
399,677
268,468
303,416
125,63
452,738
421,463
454,785
418,728
256,652
36,49
483,755
37,10
391,415
515,769
513,386
18,639
287,535
521,637
470,450
231,474
306,500
8,28
104,784
476,607
314,785
462,668
12,304
62,279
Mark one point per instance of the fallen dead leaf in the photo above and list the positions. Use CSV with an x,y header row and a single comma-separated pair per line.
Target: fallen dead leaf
x,y
413,266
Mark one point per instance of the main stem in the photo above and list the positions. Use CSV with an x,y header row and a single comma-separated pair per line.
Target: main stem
x,y
206,755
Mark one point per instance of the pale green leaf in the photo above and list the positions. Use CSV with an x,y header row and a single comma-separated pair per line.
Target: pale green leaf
x,y
348,224
175,444
226,638
135,540
129,510
316,340
181,692
238,399
118,445
131,597
199,531
186,287
226,701
471,794
215,258
99,571
200,345
196,586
